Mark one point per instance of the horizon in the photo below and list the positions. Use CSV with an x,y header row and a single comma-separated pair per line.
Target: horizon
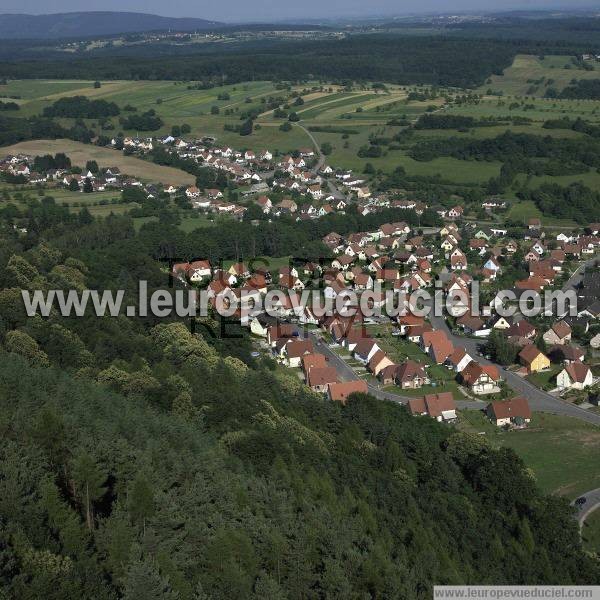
x,y
341,10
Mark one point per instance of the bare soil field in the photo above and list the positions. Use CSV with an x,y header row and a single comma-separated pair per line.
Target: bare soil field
x,y
105,157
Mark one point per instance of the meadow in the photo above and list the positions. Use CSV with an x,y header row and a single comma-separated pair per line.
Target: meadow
x,y
561,452
530,75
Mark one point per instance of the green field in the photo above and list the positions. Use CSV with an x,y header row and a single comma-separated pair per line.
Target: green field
x,y
561,452
525,210
336,107
187,224
526,70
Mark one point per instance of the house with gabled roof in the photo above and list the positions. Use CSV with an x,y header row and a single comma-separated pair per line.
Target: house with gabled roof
x,y
378,361
440,407
533,359
458,360
340,392
514,412
480,379
365,349
296,349
320,378
559,334
411,375
576,376
437,345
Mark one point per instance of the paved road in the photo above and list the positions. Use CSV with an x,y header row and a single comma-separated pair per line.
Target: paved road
x,y
346,373
539,400
333,190
592,503
577,275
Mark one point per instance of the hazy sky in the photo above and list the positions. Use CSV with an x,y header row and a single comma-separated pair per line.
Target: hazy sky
x,y
272,10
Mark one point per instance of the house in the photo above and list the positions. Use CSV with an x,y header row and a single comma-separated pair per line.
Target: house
x,y
320,378
558,334
576,376
287,205
534,224
313,361
522,329
514,412
279,331
456,212
315,191
458,260
365,349
440,407
341,391
533,359
411,375
198,270
378,361
239,270
259,325
458,360
566,353
296,349
481,379
472,325
265,203
192,192
437,345
257,282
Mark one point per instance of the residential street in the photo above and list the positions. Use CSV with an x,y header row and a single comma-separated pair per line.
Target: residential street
x,y
346,373
538,399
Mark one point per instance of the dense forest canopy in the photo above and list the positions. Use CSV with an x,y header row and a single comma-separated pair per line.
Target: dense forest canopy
x,y
376,57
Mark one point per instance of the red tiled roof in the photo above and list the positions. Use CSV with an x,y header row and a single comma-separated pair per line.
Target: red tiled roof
x,y
577,371
322,376
341,391
509,409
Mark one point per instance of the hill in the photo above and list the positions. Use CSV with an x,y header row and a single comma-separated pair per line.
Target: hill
x,y
84,24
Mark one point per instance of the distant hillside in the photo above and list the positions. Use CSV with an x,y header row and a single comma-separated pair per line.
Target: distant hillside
x,y
83,24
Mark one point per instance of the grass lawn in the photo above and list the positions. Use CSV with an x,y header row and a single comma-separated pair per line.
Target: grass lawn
x,y
546,380
195,222
591,532
523,211
562,452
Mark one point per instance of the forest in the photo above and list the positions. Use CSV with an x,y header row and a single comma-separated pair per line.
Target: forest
x,y
135,463
81,107
376,57
583,89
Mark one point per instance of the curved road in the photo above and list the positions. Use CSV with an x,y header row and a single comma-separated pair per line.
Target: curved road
x,y
592,503
334,191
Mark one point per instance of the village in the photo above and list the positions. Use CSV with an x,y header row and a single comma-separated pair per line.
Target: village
x,y
447,360
442,362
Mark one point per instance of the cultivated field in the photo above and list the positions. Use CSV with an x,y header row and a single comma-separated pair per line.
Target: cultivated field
x,y
105,157
347,119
